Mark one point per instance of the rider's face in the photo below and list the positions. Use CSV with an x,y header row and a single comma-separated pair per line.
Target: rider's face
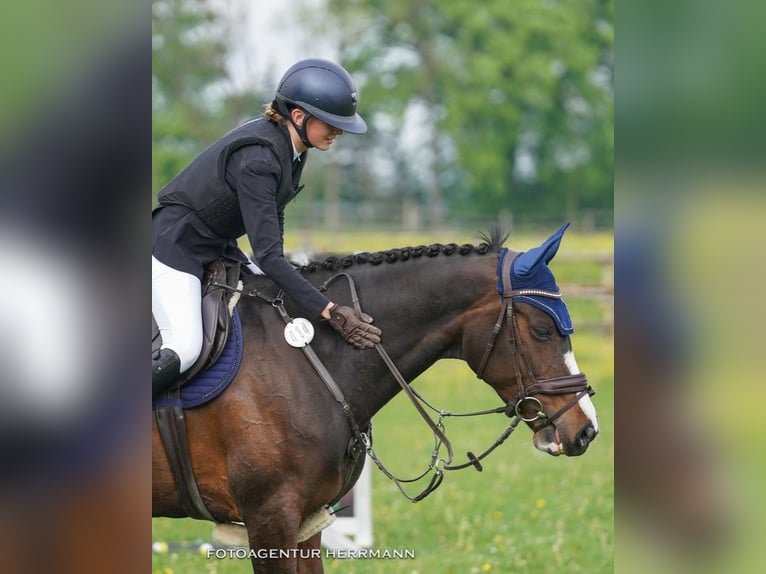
x,y
320,134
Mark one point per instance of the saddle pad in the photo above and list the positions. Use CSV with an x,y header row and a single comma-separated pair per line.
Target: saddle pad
x,y
212,382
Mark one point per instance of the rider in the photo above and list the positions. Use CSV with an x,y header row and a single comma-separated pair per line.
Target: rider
x,y
241,185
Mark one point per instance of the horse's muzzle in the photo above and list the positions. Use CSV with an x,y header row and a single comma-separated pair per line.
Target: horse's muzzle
x,y
548,439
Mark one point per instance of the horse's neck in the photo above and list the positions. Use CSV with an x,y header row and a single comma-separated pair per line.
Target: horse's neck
x,y
420,308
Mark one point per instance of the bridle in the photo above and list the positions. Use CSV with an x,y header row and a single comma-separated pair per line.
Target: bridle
x,y
570,384
525,399
575,384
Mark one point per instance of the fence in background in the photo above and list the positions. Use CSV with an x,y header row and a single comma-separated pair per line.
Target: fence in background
x,y
601,292
408,215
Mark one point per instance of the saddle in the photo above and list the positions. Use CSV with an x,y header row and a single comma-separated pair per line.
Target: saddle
x,y
220,294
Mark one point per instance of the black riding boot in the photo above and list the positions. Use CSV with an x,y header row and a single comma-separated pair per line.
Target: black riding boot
x,y
166,366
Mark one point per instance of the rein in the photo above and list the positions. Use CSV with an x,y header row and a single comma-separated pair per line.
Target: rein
x,y
569,384
560,385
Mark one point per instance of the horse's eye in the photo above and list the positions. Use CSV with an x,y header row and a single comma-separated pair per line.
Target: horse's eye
x,y
543,333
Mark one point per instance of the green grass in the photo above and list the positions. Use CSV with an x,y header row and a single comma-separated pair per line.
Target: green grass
x,y
526,512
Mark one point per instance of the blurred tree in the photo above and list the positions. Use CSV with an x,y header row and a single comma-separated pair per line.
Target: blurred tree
x,y
474,109
188,75
493,105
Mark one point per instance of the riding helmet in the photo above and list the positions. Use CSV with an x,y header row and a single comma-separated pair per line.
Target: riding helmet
x,y
322,89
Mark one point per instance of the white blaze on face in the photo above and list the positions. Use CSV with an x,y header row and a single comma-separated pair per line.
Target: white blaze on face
x,y
585,403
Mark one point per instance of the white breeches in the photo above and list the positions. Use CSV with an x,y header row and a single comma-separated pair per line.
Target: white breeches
x,y
177,308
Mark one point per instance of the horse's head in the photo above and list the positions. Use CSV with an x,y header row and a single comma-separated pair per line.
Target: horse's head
x,y
527,358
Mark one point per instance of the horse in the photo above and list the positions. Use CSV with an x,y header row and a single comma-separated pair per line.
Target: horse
x,y
274,447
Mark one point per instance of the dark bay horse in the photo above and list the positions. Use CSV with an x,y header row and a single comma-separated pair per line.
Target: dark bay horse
x,y
272,449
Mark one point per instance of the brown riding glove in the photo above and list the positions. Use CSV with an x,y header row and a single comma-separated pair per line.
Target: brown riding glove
x,y
355,329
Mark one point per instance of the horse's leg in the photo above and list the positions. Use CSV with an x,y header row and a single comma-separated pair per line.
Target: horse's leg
x,y
311,555
272,530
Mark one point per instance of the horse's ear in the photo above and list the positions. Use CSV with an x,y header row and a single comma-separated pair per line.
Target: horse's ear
x,y
530,259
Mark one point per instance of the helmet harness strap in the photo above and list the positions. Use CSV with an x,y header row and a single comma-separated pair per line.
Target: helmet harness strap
x,y
282,108
301,129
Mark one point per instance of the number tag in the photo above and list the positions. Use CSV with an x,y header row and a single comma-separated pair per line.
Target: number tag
x,y
299,332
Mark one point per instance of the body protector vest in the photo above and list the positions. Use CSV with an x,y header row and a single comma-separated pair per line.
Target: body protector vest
x,y
202,185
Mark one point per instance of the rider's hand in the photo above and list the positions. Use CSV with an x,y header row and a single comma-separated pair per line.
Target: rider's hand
x,y
356,329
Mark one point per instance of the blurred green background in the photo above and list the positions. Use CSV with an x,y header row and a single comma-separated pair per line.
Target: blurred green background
x,y
477,111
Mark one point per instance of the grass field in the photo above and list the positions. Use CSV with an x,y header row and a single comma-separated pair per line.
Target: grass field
x,y
527,512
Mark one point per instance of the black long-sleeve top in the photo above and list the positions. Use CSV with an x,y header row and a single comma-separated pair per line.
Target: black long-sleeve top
x,y
182,241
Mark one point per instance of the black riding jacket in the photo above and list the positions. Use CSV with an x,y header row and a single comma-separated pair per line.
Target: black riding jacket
x,y
240,184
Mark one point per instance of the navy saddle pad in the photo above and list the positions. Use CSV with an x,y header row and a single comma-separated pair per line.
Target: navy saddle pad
x,y
210,383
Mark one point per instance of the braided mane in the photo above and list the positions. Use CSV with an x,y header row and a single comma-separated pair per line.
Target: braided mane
x,y
493,241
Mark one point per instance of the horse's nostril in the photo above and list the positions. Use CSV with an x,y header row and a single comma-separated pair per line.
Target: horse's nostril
x,y
586,435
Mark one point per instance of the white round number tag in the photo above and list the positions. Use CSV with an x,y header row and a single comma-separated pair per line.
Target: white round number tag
x,y
299,332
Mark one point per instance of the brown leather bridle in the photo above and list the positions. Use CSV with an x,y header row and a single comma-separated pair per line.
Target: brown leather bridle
x,y
525,399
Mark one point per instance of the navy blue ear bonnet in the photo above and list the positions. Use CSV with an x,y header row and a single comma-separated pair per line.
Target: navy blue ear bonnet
x,y
530,271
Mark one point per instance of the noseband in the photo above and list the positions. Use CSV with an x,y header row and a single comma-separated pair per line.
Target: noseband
x,y
525,399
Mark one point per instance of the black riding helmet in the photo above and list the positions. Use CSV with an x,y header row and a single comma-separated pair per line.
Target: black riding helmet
x,y
323,89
